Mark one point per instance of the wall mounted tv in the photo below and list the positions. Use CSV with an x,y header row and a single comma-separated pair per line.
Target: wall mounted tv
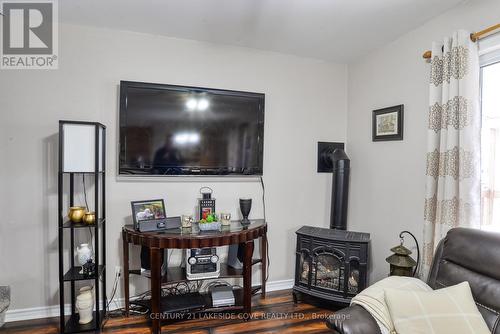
x,y
180,130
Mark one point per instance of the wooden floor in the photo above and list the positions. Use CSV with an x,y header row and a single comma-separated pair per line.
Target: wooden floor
x,y
275,314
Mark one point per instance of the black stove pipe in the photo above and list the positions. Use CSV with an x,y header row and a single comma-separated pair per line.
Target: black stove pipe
x,y
340,189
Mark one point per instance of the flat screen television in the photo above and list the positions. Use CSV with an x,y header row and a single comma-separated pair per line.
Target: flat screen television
x,y
180,130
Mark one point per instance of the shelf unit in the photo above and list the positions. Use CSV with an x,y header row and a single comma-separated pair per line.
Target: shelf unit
x,y
93,148
176,275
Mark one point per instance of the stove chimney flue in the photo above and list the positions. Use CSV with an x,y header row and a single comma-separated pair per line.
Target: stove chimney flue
x,y
340,189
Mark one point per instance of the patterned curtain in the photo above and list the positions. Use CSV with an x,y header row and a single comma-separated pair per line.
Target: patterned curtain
x,y
454,140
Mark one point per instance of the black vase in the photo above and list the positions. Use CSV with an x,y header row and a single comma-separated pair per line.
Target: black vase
x,y
245,207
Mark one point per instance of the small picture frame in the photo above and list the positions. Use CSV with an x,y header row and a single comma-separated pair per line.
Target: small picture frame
x,y
387,123
148,210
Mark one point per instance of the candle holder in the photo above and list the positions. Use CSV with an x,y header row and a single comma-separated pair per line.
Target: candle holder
x,y
225,219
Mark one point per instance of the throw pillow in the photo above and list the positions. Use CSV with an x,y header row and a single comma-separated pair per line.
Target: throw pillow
x,y
450,310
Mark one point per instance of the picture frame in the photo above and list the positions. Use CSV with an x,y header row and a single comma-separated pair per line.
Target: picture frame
x,y
148,210
388,123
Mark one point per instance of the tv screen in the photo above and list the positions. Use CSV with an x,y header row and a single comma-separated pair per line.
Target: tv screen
x,y
180,130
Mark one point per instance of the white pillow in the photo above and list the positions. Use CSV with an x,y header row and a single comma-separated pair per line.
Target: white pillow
x,y
450,310
372,298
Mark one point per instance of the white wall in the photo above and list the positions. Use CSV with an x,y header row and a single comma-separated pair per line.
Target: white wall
x,y
305,103
388,178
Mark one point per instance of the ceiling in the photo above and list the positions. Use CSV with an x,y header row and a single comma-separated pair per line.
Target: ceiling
x,y
333,30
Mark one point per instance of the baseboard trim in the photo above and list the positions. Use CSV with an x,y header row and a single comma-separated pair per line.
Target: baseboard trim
x,y
280,285
53,311
34,313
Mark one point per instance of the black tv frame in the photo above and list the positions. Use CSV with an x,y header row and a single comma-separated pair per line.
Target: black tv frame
x,y
189,170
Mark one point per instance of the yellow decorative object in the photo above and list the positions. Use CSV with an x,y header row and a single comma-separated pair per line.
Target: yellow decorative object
x,y
76,213
89,217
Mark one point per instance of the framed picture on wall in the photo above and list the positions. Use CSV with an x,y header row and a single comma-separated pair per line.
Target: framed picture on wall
x,y
387,123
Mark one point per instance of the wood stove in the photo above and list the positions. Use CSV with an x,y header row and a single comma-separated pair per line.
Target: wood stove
x,y
332,263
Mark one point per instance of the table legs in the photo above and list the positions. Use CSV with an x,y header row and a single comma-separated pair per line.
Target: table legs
x,y
263,253
155,289
247,277
126,274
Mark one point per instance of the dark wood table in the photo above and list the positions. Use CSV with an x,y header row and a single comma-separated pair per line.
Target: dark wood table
x,y
236,233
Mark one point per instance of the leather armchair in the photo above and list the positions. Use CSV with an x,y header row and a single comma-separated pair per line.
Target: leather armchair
x,y
463,255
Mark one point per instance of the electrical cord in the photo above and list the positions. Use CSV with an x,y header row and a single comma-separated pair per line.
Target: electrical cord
x,y
264,211
85,192
216,283
86,204
268,261
113,291
263,196
166,290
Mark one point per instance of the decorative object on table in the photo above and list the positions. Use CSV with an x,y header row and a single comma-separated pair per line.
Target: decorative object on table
x,y
89,268
214,226
187,221
245,207
225,219
89,217
149,215
84,254
82,153
402,264
387,123
85,304
76,213
202,263
210,223
4,302
206,203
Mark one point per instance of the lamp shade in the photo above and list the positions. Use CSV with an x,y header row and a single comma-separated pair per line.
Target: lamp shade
x,y
82,143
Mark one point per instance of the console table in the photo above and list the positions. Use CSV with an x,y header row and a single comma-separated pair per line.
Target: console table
x,y
236,233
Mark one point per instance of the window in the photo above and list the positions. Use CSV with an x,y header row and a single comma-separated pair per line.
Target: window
x,y
490,139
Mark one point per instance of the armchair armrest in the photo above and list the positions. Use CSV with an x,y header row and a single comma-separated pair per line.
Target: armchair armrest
x,y
353,320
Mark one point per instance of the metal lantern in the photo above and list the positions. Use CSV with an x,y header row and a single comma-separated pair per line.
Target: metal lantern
x,y
402,264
